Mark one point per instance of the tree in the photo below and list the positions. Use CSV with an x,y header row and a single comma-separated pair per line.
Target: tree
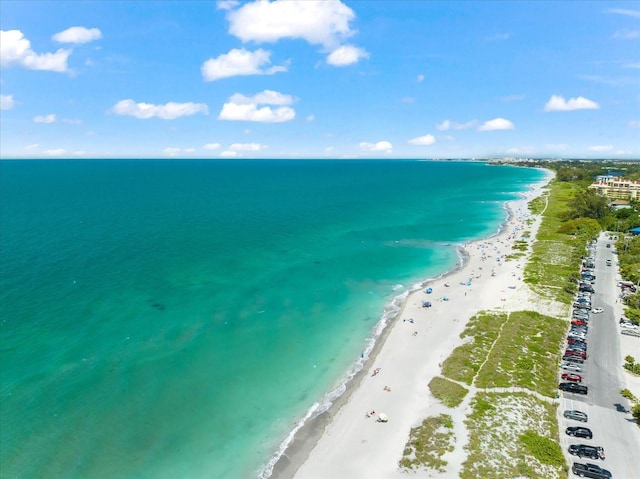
x,y
589,204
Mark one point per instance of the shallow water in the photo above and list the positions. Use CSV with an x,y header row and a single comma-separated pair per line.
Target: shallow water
x,y
175,318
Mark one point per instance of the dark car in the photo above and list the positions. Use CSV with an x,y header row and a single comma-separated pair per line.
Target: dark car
x,y
570,358
577,431
576,415
590,470
582,450
573,388
577,341
580,346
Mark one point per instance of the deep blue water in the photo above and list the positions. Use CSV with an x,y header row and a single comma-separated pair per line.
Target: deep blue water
x,y
171,318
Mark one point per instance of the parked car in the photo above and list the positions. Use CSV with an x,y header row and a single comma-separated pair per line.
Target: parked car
x,y
576,352
572,359
571,367
578,431
573,388
631,332
576,378
576,341
582,450
608,262
578,322
590,470
597,310
582,305
576,415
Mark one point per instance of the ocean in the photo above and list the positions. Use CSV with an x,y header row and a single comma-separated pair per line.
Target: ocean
x,y
177,318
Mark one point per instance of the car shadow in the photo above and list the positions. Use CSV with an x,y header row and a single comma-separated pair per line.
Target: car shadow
x,y
620,408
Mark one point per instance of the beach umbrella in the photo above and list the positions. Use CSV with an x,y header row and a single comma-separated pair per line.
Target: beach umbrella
x,y
429,291
383,417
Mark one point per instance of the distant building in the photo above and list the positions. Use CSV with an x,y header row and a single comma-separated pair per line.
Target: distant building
x,y
616,188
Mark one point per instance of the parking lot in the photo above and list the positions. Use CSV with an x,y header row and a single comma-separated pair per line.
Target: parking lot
x,y
601,371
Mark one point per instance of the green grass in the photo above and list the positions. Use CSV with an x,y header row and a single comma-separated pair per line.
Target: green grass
x,y
525,354
497,447
554,255
545,450
464,362
428,443
449,393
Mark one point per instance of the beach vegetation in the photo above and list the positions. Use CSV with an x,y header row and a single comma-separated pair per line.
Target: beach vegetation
x,y
512,435
428,443
546,450
635,408
555,255
451,394
631,365
481,332
525,354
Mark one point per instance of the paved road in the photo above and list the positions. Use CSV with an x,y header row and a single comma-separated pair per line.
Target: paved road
x,y
609,416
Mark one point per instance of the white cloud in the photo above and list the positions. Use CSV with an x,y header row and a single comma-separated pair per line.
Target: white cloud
x,y
169,111
7,102
16,49
239,62
55,152
211,146
631,65
496,124
558,103
51,118
171,151
310,118
346,55
228,154
32,147
452,125
328,149
626,12
243,108
420,78
319,23
247,147
72,121
79,152
627,34
601,148
227,4
77,35
407,99
381,146
423,140
634,124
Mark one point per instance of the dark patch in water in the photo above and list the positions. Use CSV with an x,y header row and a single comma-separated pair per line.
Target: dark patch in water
x,y
158,306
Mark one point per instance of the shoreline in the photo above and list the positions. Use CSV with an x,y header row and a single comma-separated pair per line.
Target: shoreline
x,y
297,448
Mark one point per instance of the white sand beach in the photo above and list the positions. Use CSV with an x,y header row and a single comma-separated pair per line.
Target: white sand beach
x,y
353,443
350,441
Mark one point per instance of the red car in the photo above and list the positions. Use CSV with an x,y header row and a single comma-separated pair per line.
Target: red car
x,y
572,377
575,352
577,322
576,341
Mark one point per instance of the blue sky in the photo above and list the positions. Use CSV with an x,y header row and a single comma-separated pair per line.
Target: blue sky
x,y
320,79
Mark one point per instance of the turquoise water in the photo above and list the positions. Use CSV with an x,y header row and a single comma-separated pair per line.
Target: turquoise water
x,y
176,318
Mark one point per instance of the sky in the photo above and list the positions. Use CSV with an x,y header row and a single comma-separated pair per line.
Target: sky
x,y
319,79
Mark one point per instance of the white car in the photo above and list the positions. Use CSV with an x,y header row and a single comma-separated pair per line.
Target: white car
x,y
571,367
597,310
